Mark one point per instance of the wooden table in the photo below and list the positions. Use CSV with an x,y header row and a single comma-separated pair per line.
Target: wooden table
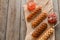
x,y
12,23
58,27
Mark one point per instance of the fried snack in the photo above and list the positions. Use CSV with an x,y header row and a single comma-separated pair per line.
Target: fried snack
x,y
46,34
38,19
39,30
34,14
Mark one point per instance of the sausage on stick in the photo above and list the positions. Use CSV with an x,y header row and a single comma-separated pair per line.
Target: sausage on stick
x,y
39,30
39,19
34,14
46,34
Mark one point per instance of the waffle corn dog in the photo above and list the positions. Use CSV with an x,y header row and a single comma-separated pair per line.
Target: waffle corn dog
x,y
39,30
34,14
39,19
47,34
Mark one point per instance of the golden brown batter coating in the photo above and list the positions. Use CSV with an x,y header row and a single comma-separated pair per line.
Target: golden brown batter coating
x,y
46,34
34,13
39,30
39,19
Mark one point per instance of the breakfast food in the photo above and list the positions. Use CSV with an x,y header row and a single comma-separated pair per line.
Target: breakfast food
x,y
35,17
39,30
39,19
34,14
52,18
46,34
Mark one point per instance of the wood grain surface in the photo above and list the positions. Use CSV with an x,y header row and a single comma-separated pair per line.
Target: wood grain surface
x,y
23,25
3,18
12,22
58,27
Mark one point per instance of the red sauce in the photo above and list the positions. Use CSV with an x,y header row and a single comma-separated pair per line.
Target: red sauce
x,y
31,6
52,18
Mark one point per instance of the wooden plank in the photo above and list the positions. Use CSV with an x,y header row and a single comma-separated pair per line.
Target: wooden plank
x,y
59,7
13,23
23,26
3,18
58,27
55,3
